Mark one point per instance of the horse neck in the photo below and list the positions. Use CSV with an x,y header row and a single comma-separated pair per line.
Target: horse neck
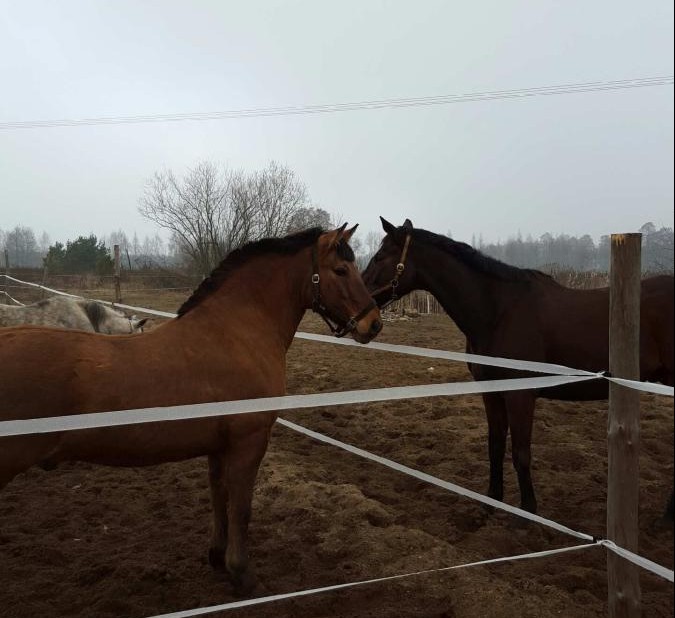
x,y
266,295
471,298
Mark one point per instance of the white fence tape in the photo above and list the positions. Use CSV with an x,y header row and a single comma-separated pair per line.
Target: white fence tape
x,y
646,564
41,287
163,314
270,404
433,480
422,476
12,298
476,359
647,387
202,611
507,363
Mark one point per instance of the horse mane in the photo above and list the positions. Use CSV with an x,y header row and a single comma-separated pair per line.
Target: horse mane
x,y
286,245
478,261
96,314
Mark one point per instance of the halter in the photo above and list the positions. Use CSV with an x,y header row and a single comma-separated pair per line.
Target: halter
x,y
393,284
330,317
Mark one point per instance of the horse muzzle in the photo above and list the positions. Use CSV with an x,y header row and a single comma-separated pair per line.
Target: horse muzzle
x,y
371,329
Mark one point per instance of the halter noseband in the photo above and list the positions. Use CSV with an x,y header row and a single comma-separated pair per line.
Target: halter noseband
x,y
393,284
330,317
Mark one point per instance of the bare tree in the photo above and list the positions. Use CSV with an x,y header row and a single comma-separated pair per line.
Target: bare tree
x,y
192,209
310,216
22,247
43,244
270,199
211,211
373,240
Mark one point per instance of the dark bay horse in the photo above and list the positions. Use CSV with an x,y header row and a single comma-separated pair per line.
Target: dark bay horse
x,y
228,342
522,314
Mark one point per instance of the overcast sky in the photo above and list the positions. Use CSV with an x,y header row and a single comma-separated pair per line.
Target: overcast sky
x,y
592,163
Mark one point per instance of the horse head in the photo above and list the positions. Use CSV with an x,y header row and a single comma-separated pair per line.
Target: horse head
x,y
390,274
135,324
338,292
110,321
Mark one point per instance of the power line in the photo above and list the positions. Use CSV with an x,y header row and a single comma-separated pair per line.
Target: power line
x,y
448,99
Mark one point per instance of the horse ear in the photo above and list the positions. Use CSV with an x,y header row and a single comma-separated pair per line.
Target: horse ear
x,y
407,225
335,236
387,227
138,325
349,233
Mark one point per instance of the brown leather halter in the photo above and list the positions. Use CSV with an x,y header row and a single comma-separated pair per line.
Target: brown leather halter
x,y
338,325
393,284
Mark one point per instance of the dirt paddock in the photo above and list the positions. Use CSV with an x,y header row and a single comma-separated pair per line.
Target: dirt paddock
x,y
96,542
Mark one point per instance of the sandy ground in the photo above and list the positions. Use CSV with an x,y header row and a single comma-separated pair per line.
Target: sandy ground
x,y
92,542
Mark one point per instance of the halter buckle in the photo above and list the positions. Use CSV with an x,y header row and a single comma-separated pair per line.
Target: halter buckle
x,y
316,278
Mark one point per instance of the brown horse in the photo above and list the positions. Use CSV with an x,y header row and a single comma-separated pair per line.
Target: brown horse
x,y
523,314
228,342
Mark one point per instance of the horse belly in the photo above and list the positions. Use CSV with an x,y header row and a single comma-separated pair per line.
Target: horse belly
x,y
142,445
593,390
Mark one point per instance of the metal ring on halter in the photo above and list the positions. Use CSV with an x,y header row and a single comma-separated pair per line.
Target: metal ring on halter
x,y
329,316
400,267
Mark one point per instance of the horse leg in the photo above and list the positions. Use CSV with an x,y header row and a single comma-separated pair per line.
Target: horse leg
x,y
243,458
520,411
18,453
669,515
219,504
497,429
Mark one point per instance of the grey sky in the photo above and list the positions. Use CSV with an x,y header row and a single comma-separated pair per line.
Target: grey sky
x,y
582,163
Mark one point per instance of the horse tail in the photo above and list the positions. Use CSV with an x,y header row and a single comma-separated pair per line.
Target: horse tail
x,y
96,314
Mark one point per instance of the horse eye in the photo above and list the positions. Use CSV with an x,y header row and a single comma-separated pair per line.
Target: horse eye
x,y
341,271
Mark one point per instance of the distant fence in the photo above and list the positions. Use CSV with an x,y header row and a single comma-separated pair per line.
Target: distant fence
x,y
420,302
93,285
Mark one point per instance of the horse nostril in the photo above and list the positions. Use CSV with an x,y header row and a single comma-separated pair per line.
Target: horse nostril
x,y
376,327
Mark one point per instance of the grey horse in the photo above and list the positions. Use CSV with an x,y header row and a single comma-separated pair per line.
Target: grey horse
x,y
71,313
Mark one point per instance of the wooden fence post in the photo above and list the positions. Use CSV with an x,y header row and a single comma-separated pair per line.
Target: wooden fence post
x,y
5,282
118,291
45,273
623,428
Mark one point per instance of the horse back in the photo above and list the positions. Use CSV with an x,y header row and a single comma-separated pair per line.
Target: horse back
x,y
49,372
656,324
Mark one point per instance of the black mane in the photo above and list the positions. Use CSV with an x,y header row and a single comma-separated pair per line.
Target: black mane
x,y
286,245
96,315
478,261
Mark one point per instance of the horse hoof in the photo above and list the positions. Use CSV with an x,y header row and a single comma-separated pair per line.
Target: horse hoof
x,y
530,507
669,515
244,583
217,558
488,509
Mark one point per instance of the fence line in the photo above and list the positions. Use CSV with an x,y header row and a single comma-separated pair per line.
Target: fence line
x,y
478,359
423,476
294,402
5,293
202,611
116,418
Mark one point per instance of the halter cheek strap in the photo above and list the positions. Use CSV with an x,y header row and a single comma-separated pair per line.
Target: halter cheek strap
x,y
338,325
393,284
